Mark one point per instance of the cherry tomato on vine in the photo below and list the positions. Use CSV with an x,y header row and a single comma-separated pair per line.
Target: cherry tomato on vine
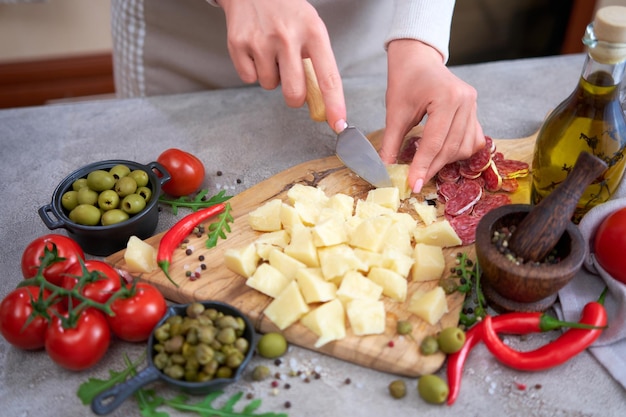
x,y
66,248
99,290
187,172
15,311
137,314
82,346
610,244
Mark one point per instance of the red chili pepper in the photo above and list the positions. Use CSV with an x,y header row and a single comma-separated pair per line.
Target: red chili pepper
x,y
180,231
566,346
512,323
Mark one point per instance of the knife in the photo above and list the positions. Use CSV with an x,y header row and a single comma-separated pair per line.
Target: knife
x,y
352,147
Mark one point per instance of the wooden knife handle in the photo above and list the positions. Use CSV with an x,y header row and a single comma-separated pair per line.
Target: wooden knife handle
x,y
314,99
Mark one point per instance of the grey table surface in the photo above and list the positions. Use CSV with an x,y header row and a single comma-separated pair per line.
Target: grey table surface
x,y
249,135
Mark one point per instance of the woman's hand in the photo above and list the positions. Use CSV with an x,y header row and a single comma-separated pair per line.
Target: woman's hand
x,y
267,40
420,84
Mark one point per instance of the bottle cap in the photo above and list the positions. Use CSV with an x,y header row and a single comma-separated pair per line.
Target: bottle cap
x,y
609,31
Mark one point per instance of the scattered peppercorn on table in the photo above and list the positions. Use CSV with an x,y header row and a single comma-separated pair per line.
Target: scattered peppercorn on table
x,y
42,145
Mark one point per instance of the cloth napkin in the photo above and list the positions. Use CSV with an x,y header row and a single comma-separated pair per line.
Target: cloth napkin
x,y
588,284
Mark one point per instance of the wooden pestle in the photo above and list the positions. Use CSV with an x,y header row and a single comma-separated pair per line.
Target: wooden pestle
x,y
539,232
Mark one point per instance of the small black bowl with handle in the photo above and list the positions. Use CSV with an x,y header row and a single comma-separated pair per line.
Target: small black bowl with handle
x,y
105,240
107,401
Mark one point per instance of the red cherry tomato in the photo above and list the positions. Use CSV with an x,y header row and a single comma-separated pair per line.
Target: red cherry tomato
x,y
137,315
66,247
610,244
187,172
82,346
15,310
99,290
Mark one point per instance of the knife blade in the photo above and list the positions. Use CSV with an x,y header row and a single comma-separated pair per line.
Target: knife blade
x,y
352,147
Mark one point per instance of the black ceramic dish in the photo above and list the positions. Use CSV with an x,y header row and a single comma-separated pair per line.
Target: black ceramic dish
x,y
109,400
105,240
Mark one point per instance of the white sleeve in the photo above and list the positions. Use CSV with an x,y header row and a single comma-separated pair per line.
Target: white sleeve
x,y
424,20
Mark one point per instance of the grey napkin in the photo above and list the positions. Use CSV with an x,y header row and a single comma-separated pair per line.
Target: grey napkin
x,y
587,285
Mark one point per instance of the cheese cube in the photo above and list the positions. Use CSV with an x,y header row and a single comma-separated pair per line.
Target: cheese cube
x,y
268,280
398,238
242,261
266,218
285,263
399,175
343,204
287,308
337,260
301,246
307,193
356,286
394,285
308,211
366,316
327,321
370,233
430,306
439,233
370,259
397,261
426,212
278,238
140,256
314,287
429,262
385,196
366,209
330,231
289,216
403,218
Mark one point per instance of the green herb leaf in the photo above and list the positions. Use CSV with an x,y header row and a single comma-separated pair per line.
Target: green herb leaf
x,y
197,202
219,228
87,391
206,408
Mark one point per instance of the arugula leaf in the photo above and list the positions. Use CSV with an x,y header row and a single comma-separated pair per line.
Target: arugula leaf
x,y
197,202
206,408
87,391
219,228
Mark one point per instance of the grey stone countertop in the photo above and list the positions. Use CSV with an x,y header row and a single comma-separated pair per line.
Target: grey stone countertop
x,y
249,135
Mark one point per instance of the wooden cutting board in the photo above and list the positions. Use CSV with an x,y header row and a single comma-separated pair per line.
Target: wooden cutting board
x,y
400,357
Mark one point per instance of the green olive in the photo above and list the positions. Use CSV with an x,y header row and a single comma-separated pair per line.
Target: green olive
x,y
113,217
140,176
100,180
193,310
227,336
144,192
85,214
133,204
432,389
119,171
404,327
397,388
87,196
272,345
429,345
69,200
125,186
260,373
79,183
451,340
108,200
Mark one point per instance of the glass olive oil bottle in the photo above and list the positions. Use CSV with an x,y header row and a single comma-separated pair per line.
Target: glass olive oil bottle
x,y
591,119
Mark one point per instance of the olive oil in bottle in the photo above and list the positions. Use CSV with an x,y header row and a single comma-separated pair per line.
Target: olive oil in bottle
x,y
591,119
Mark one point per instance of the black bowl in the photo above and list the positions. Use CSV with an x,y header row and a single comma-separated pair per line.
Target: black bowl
x,y
105,240
109,400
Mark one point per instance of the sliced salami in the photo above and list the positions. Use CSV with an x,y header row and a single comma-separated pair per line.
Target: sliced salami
x,y
467,172
465,227
407,152
488,202
466,196
481,159
493,180
449,173
511,168
510,185
447,190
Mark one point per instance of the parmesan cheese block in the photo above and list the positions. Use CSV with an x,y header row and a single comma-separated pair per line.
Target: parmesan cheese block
x,y
266,218
268,280
285,263
355,285
330,231
366,316
343,204
140,256
327,321
385,196
438,233
429,262
314,287
370,233
301,246
426,212
430,306
399,175
394,285
287,307
337,260
242,261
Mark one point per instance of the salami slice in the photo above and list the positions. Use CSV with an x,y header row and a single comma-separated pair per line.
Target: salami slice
x,y
480,160
467,195
465,227
407,152
511,168
447,190
449,173
493,180
488,202
467,172
510,185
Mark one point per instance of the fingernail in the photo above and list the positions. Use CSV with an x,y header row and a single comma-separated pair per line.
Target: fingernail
x,y
417,187
340,126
